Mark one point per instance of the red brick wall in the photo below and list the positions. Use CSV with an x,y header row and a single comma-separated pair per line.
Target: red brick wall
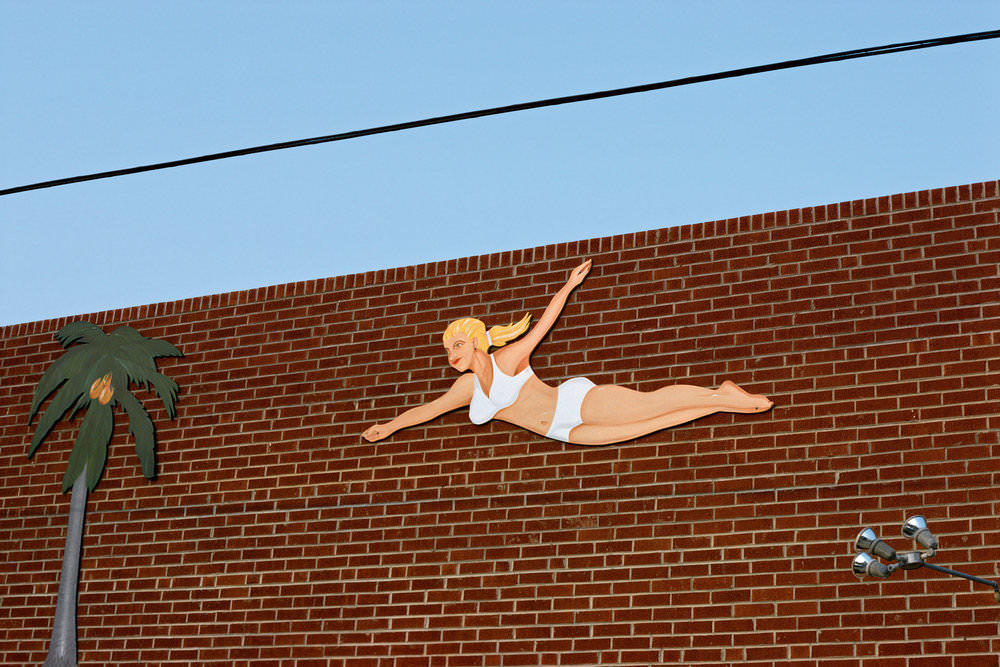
x,y
275,536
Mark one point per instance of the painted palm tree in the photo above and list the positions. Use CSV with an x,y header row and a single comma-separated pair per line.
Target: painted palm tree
x,y
95,376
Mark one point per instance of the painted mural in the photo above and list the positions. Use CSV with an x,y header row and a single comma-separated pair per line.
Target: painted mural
x,y
502,385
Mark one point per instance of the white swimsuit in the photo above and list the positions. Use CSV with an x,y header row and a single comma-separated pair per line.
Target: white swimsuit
x,y
569,401
503,393
506,388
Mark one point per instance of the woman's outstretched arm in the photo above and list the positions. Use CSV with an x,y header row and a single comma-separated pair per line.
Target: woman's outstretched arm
x,y
518,352
459,395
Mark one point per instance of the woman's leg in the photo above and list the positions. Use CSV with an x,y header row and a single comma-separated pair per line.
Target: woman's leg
x,y
612,414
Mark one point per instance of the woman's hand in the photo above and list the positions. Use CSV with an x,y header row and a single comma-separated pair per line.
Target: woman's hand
x,y
577,275
376,432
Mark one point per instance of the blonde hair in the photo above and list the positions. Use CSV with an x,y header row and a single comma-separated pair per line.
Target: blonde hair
x,y
497,336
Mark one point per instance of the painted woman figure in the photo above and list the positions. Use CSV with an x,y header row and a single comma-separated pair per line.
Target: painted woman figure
x,y
502,386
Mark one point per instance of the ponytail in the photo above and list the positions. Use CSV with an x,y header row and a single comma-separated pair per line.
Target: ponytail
x,y
499,335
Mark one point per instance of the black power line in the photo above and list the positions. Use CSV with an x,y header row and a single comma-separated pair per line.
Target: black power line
x,y
523,106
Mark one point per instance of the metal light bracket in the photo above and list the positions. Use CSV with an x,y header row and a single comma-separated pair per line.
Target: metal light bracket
x,y
870,548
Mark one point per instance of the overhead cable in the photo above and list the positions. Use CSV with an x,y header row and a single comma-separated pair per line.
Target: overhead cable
x,y
523,106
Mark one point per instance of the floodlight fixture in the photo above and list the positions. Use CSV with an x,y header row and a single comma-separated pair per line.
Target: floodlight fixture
x,y
869,542
916,529
868,546
866,566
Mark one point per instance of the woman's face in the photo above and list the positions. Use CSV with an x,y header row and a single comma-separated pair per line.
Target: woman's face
x,y
460,349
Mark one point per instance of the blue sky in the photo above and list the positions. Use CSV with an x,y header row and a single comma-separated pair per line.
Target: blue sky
x,y
104,85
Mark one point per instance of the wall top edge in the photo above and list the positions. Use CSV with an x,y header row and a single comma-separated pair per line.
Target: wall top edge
x,y
558,251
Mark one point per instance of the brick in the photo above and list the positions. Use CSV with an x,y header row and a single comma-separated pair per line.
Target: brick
x,y
275,535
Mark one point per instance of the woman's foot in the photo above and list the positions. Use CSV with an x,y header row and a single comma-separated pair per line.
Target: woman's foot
x,y
745,401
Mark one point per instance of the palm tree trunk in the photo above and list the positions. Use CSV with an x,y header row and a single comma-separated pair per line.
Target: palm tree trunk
x,y
62,648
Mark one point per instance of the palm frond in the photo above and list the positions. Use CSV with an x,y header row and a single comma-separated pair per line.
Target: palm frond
x,y
65,397
151,347
167,390
91,446
136,358
81,403
155,347
138,367
63,368
141,428
80,330
137,363
77,461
